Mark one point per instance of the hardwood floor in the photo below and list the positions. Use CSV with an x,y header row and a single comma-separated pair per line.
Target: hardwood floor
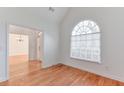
x,y
31,73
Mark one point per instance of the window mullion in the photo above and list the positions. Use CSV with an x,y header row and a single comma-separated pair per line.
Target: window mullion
x,y
85,43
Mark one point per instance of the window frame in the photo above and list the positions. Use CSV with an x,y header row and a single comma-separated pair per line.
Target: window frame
x,y
83,59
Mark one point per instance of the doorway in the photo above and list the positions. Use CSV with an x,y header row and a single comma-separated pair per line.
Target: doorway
x,y
25,50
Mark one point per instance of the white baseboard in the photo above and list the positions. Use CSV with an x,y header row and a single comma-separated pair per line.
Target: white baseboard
x,y
47,65
114,77
3,79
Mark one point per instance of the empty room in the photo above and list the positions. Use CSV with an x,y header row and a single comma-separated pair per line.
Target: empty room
x,y
61,46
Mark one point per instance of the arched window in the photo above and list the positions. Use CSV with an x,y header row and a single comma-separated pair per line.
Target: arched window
x,y
85,41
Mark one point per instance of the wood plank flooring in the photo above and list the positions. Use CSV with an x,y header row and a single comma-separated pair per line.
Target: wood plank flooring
x,y
31,74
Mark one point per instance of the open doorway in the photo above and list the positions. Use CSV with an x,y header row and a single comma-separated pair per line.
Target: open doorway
x,y
25,50
18,47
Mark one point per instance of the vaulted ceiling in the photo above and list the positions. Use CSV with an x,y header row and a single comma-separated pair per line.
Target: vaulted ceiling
x,y
42,13
45,14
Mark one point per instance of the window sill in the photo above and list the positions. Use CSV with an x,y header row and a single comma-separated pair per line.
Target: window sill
x,y
86,60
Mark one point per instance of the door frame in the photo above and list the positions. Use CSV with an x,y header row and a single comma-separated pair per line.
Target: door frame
x,y
39,47
7,47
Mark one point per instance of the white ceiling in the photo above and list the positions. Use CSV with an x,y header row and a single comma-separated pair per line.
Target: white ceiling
x,y
43,12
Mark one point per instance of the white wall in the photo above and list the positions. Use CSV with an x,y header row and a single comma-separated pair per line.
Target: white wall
x,y
16,47
21,16
111,23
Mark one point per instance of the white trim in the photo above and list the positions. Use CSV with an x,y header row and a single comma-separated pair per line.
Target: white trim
x,y
86,60
3,79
